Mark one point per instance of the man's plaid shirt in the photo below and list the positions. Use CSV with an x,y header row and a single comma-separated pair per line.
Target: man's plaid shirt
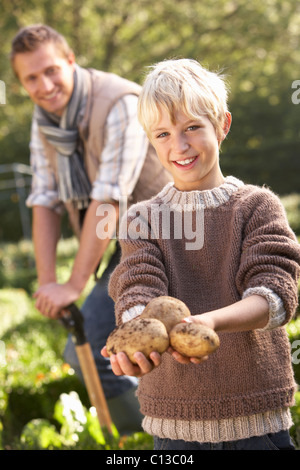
x,y
120,163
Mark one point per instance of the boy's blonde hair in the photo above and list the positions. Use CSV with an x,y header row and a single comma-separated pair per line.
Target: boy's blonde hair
x,y
183,85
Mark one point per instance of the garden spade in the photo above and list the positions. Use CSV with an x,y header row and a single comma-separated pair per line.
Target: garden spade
x,y
73,320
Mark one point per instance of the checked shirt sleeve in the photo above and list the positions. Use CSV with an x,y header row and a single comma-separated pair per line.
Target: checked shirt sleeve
x,y
124,152
43,187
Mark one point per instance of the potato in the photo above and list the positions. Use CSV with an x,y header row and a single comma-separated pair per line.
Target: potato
x,y
193,339
140,334
168,310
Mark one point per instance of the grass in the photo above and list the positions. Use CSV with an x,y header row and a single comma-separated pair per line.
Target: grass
x,y
42,403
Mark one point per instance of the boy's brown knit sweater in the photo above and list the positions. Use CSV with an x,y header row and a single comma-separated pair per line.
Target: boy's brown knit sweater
x,y
247,244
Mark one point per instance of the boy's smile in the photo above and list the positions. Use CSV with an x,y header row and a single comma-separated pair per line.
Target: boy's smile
x,y
189,149
186,163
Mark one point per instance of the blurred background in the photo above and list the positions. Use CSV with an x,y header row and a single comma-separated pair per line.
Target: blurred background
x,y
255,44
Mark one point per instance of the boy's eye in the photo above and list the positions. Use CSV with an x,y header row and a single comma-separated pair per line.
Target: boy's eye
x,y
163,134
193,128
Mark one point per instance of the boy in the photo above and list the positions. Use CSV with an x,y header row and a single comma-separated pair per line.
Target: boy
x,y
241,280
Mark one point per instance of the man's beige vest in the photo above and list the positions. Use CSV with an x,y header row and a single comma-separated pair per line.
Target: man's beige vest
x,y
104,89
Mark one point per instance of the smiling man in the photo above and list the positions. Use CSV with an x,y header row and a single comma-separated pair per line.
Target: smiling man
x,y
47,76
87,150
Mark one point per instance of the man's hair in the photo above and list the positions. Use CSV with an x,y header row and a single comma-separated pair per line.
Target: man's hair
x,y
183,85
30,38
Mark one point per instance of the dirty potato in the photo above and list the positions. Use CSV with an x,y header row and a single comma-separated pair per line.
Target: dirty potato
x,y
168,310
140,334
193,340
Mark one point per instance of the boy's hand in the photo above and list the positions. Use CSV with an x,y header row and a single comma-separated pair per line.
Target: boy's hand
x,y
194,360
203,319
121,365
185,360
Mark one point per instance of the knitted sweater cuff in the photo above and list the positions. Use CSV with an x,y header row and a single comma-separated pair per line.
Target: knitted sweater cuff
x,y
277,314
132,313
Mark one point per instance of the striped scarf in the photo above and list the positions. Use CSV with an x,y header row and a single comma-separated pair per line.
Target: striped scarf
x,y
62,133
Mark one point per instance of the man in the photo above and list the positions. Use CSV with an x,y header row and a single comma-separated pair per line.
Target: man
x,y
87,151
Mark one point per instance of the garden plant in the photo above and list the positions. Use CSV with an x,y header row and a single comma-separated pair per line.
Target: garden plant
x,y
43,405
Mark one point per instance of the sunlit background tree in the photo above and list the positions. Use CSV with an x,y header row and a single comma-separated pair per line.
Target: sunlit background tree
x,y
256,44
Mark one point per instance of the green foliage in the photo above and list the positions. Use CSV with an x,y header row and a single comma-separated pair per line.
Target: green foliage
x,y
291,203
255,43
42,403
293,330
77,429
17,264
295,430
40,434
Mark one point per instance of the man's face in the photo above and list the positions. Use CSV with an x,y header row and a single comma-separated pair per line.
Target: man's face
x,y
47,77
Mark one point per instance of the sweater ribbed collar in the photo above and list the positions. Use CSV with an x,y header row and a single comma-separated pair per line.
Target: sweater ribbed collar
x,y
207,199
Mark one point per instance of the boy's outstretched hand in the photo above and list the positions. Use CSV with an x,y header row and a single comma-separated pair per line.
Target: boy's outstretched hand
x,y
121,365
185,360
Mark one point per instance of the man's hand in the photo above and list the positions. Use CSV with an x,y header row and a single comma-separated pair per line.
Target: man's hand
x,y
52,298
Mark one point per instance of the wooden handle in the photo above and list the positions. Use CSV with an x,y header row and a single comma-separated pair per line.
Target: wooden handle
x,y
93,384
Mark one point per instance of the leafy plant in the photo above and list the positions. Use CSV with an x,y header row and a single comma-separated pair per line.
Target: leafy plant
x,y
76,428
293,331
291,203
43,405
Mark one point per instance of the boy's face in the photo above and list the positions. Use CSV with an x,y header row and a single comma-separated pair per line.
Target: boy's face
x,y
189,149
47,77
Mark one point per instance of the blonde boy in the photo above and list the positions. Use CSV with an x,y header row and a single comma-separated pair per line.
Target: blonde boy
x,y
242,282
